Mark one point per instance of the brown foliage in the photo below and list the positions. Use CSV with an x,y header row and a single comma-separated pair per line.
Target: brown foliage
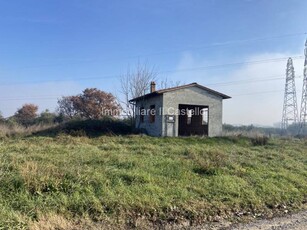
x,y
26,114
91,104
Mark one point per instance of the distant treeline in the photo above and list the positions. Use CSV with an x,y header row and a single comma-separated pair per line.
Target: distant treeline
x,y
28,116
92,104
292,130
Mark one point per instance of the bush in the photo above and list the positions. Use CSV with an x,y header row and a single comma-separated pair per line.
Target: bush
x,y
90,128
46,117
91,104
26,114
259,140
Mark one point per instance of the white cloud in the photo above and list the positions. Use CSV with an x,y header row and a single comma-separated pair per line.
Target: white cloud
x,y
255,101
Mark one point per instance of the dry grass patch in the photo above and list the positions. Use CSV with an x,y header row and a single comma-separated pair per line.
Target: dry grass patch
x,y
58,222
40,178
19,130
52,222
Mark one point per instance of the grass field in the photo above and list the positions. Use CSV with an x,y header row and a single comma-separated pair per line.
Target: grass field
x,y
66,181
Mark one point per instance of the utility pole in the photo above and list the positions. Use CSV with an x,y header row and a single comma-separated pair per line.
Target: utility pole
x,y
290,113
303,112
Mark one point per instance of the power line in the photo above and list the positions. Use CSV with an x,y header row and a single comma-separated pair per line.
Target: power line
x,y
222,44
259,93
60,80
218,44
236,63
34,98
256,93
165,71
250,80
52,97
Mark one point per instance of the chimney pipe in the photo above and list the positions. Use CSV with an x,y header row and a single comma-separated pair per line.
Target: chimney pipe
x,y
152,87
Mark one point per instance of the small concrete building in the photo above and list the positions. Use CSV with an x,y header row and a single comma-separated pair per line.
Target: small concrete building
x,y
185,110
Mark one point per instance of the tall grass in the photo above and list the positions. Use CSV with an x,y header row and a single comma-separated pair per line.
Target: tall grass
x,y
10,130
126,181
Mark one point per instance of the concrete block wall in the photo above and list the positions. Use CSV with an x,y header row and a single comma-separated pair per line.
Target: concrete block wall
x,y
155,128
195,96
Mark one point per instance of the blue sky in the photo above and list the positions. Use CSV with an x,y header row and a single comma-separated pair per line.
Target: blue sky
x,y
45,42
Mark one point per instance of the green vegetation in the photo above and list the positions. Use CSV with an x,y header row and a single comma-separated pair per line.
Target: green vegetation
x,y
251,130
89,128
74,127
65,180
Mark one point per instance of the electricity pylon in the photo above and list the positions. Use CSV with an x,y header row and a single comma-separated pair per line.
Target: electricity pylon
x,y
290,113
303,111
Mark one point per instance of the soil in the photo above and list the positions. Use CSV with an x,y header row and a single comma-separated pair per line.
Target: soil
x,y
294,222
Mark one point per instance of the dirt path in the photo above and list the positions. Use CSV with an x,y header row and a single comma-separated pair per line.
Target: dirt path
x,y
294,222
291,222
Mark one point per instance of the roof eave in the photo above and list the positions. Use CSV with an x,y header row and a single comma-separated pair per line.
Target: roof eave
x,y
162,91
144,96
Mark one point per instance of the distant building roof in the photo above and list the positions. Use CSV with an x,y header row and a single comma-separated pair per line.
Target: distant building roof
x,y
161,91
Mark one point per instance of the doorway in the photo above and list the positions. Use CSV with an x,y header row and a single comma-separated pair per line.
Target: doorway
x,y
193,120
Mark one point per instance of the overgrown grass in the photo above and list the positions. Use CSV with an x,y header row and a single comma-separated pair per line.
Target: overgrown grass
x,y
13,130
90,128
66,181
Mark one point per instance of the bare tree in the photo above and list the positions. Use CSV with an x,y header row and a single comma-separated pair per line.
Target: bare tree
x,y
66,106
165,83
135,83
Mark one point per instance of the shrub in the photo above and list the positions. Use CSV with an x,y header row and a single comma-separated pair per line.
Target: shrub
x,y
46,117
26,114
90,128
259,140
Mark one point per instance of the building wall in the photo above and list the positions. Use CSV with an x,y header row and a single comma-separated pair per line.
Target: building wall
x,y
155,128
194,96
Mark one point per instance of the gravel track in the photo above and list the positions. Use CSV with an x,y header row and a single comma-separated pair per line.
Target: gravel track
x,y
294,222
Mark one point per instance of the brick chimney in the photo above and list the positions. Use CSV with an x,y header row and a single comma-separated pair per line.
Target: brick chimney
x,y
152,86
